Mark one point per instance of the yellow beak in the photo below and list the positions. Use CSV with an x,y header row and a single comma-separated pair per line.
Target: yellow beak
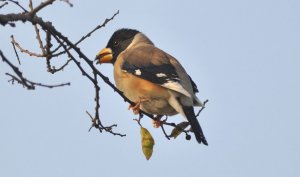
x,y
104,56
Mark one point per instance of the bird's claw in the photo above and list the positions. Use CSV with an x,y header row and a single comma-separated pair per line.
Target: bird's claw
x,y
157,122
136,108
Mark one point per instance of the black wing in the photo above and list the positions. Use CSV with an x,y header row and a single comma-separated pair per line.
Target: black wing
x,y
152,64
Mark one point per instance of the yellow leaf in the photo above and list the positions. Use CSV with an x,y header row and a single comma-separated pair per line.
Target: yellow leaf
x,y
177,130
147,142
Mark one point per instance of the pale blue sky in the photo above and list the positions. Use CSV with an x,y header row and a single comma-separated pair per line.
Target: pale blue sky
x,y
243,55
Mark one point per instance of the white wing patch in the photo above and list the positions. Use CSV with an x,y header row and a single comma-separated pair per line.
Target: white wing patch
x,y
161,75
138,72
176,87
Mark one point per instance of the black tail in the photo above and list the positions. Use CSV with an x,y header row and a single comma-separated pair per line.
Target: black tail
x,y
190,115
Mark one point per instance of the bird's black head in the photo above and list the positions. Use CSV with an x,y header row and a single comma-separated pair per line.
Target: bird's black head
x,y
120,40
117,43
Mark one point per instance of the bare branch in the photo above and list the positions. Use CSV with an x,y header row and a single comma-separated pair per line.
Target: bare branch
x,y
66,45
22,80
24,50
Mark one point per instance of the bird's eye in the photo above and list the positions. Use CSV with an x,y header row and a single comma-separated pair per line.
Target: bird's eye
x,y
116,43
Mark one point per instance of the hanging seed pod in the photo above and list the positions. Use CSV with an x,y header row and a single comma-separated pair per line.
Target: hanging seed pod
x,y
147,142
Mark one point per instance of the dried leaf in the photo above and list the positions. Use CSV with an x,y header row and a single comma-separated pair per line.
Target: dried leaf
x,y
177,130
147,143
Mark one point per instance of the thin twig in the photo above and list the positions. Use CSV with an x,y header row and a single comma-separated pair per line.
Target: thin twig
x,y
85,36
54,70
204,103
40,7
17,55
17,71
38,37
37,31
94,122
33,84
4,4
68,2
97,96
163,129
24,50
96,28
22,80
139,120
16,3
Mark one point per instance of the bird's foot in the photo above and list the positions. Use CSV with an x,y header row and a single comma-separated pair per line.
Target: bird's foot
x,y
157,122
137,107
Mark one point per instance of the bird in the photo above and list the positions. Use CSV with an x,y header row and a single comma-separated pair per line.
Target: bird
x,y
151,78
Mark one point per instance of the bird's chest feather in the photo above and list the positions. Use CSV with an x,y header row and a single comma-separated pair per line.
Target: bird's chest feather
x,y
134,87
155,98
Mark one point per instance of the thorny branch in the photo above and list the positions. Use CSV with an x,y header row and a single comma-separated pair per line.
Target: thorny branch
x,y
64,48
